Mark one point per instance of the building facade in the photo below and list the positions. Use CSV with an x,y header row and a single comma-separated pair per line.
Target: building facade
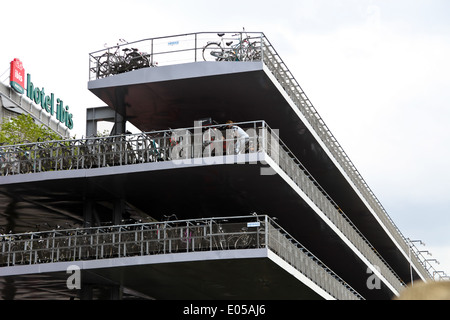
x,y
23,98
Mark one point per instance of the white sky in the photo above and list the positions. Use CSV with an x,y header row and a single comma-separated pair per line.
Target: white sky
x,y
376,71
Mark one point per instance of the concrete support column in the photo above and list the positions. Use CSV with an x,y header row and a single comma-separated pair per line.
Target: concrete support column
x,y
88,213
116,292
119,125
118,210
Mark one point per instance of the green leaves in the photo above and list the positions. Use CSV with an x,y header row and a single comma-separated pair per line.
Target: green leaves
x,y
23,129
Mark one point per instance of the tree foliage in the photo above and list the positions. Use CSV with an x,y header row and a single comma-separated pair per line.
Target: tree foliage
x,y
23,129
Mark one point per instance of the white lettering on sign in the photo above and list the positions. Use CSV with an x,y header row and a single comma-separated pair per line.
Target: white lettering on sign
x,y
253,224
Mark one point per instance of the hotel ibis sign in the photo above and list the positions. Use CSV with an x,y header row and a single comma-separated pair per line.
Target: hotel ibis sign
x,y
38,95
17,76
47,103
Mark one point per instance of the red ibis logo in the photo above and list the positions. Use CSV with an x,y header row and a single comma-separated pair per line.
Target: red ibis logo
x,y
17,76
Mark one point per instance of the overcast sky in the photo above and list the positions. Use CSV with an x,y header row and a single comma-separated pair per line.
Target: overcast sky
x,y
376,71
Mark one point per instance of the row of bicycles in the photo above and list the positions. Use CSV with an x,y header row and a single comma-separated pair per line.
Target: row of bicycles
x,y
126,240
78,154
245,49
127,149
121,59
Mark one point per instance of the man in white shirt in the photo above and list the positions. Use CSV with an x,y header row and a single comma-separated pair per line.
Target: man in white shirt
x,y
241,136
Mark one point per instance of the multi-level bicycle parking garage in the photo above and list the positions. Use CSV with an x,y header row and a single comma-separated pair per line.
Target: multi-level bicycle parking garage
x,y
318,230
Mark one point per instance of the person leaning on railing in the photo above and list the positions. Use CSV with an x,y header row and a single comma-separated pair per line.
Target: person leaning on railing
x,y
242,138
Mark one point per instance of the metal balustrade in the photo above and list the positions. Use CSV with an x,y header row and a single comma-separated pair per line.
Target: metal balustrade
x,y
176,49
128,240
169,237
110,151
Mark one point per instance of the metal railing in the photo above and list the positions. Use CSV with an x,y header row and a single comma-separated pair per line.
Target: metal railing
x,y
157,146
185,145
143,239
177,49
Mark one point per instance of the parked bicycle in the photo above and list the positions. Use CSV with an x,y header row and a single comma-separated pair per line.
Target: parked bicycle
x,y
147,150
5,166
246,49
122,60
243,239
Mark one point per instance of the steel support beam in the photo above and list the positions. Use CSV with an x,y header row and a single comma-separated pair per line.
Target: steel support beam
x,y
94,115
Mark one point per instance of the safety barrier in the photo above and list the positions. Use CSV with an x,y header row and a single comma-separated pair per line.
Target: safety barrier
x,y
168,237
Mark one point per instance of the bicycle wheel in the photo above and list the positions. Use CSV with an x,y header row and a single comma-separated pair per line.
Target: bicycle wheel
x,y
242,242
212,52
230,55
105,64
254,51
131,61
136,60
